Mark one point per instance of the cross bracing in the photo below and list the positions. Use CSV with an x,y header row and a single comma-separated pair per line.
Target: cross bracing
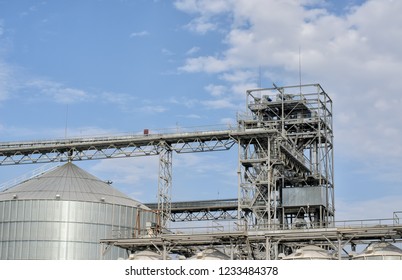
x,y
265,244
285,159
205,210
281,171
284,140
112,147
12,153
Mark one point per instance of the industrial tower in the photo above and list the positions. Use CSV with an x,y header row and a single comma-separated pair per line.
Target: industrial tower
x,y
286,175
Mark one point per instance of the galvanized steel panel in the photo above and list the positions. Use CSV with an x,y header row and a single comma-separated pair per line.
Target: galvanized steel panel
x,y
70,183
304,196
63,214
63,229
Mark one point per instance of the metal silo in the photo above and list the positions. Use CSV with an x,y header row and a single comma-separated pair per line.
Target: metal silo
x,y
380,251
63,214
309,252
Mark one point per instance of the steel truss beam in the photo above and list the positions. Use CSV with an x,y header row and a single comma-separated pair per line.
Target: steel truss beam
x,y
62,150
204,215
119,147
204,210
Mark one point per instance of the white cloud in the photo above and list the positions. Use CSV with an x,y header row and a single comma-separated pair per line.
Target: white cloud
x,y
167,52
356,56
207,7
16,84
187,102
152,109
239,76
274,40
207,64
207,10
219,104
192,51
137,177
240,81
67,95
120,99
201,25
191,116
7,81
216,90
139,34
58,92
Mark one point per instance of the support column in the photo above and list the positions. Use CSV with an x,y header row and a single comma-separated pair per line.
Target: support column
x,y
267,248
165,186
340,246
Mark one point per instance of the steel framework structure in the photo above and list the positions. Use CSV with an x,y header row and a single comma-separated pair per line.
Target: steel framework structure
x,y
265,244
286,174
204,210
89,148
12,153
165,186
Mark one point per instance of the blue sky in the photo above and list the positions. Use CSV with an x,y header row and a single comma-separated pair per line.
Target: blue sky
x,y
80,68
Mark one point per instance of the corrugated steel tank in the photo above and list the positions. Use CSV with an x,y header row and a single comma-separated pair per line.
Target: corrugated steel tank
x,y
380,251
63,214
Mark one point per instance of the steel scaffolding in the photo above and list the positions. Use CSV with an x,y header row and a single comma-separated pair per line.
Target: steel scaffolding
x,y
286,174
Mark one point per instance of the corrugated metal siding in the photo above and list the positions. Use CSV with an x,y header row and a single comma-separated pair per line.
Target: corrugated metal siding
x,y
63,214
44,229
304,196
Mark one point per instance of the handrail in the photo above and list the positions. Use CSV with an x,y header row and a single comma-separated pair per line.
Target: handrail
x,y
32,174
365,223
107,137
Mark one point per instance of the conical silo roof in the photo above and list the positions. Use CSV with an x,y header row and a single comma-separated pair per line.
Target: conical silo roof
x,y
380,250
68,182
210,254
309,252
